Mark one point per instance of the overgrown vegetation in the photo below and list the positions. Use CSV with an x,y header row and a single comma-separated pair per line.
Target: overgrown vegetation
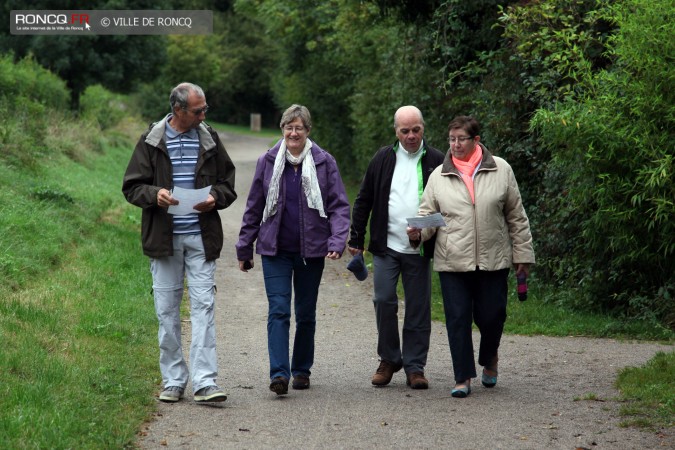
x,y
612,149
74,302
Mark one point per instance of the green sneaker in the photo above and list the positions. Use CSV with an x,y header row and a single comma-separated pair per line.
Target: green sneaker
x,y
171,394
210,394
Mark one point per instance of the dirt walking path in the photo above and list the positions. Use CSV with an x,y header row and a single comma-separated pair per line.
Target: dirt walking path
x,y
532,407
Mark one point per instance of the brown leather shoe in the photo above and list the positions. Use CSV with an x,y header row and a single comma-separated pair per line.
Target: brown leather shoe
x,y
416,380
301,382
279,385
384,373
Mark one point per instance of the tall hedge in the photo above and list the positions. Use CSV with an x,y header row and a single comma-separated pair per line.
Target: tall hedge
x,y
612,163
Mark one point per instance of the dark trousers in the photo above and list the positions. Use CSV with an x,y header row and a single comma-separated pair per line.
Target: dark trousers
x,y
284,274
415,273
478,296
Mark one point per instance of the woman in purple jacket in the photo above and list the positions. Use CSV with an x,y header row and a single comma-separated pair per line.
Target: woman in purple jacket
x,y
298,211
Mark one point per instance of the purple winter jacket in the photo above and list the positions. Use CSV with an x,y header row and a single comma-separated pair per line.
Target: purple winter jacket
x,y
318,235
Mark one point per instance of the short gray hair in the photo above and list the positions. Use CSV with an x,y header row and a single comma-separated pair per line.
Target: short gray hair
x,y
293,112
179,94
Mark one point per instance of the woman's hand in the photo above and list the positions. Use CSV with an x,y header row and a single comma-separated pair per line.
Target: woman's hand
x,y
525,268
414,234
333,255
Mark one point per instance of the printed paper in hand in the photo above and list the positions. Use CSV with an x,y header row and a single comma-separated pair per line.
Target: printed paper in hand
x,y
430,221
188,198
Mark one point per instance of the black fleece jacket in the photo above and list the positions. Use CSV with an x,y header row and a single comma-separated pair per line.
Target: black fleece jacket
x,y
373,199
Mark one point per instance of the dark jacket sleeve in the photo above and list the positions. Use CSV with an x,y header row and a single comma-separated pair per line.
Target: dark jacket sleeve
x,y
363,205
138,183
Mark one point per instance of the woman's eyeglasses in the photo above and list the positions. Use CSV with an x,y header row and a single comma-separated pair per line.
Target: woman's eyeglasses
x,y
291,129
459,140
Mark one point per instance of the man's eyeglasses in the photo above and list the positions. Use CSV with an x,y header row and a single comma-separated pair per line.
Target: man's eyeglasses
x,y
459,140
290,129
197,112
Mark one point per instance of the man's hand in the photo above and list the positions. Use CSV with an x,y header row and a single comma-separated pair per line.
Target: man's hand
x,y
353,251
208,205
164,198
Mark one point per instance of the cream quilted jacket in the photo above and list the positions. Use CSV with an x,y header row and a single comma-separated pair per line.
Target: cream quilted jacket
x,y
492,234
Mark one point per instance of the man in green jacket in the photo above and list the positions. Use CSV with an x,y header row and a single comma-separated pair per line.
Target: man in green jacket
x,y
181,151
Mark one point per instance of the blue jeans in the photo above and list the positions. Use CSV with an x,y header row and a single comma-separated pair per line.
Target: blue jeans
x,y
478,296
285,273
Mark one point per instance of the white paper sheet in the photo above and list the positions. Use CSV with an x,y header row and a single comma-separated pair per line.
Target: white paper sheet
x,y
431,221
188,198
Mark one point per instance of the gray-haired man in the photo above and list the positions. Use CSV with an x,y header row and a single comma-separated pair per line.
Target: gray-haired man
x,y
181,151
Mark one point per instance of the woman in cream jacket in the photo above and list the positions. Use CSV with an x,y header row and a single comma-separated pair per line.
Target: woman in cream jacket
x,y
486,232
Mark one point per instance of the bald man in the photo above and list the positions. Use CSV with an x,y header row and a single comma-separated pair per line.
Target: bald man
x,y
390,192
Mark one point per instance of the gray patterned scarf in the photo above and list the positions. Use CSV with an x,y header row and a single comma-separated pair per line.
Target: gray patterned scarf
x,y
310,183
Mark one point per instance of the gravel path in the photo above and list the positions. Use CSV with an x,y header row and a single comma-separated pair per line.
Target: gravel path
x,y
532,407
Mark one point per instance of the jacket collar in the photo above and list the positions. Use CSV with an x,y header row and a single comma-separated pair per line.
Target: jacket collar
x,y
487,163
157,130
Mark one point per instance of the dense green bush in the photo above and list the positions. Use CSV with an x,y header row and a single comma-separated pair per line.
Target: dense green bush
x,y
37,123
27,79
28,95
104,107
612,163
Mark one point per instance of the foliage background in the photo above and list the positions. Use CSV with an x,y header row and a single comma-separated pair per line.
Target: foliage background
x,y
576,94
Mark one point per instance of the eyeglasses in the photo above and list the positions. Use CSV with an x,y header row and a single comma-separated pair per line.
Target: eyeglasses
x,y
290,129
459,140
197,112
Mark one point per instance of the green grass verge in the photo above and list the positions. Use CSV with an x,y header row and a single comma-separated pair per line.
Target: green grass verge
x,y
77,321
648,393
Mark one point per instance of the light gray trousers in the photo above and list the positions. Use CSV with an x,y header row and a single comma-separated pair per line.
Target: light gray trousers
x,y
415,272
168,275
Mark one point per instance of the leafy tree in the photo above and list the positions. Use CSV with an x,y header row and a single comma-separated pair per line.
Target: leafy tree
x,y
113,61
309,69
353,64
232,65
